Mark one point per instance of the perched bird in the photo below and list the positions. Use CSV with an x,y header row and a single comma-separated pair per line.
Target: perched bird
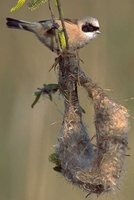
x,y
79,32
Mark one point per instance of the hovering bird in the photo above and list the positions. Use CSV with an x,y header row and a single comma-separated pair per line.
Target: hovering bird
x,y
79,32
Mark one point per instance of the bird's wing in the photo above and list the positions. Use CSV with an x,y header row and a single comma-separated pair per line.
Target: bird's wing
x,y
71,21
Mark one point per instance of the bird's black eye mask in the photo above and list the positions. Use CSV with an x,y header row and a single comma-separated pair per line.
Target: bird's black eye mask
x,y
87,27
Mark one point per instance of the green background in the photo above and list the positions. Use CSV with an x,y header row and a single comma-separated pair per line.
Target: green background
x,y
27,135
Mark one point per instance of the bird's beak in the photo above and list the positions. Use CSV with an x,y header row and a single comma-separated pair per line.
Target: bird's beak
x,y
98,32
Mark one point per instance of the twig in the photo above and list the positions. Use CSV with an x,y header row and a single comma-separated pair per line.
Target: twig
x,y
52,14
62,22
53,19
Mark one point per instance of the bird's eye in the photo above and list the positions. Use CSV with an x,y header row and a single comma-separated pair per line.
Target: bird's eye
x,y
89,28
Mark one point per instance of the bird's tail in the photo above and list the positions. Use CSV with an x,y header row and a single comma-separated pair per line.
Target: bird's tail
x,y
18,24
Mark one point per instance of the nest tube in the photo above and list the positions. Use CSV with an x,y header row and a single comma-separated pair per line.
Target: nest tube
x,y
94,168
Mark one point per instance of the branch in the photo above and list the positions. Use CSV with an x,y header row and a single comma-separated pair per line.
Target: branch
x,y
62,22
53,19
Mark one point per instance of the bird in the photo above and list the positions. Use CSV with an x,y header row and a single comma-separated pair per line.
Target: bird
x,y
79,31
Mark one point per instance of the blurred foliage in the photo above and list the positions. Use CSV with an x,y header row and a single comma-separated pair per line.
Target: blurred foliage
x,y
48,89
19,4
55,160
32,4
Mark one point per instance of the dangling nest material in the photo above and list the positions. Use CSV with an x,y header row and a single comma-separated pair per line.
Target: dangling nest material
x,y
94,168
